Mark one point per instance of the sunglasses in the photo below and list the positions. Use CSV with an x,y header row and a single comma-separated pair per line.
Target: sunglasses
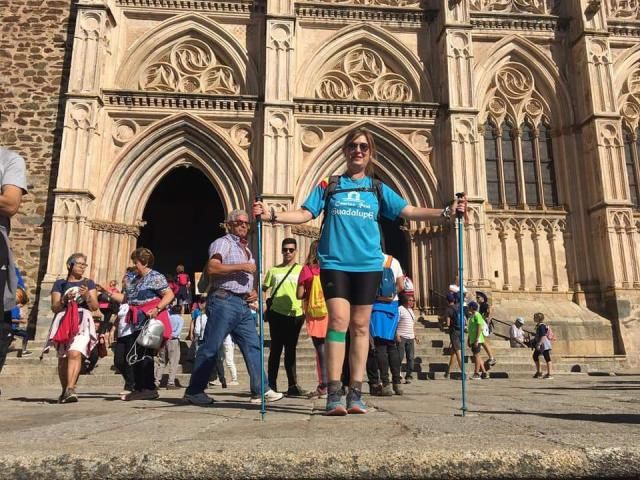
x,y
288,250
353,146
239,223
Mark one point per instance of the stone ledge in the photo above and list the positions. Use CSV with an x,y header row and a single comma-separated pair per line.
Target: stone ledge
x,y
502,464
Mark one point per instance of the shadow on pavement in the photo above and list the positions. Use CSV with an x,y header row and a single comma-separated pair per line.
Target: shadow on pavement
x,y
629,418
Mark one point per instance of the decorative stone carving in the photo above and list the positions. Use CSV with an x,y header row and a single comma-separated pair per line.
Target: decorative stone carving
x,y
624,9
542,7
460,65
280,60
306,231
375,3
91,45
242,135
311,137
363,75
123,131
513,96
190,66
421,140
114,227
630,100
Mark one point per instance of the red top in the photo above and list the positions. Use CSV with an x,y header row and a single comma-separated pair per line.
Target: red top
x,y
306,277
183,279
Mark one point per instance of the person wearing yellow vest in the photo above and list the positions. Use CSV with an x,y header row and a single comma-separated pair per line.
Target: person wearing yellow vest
x,y
285,317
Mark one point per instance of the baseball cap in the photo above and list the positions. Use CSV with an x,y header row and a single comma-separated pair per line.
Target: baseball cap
x,y
520,320
473,305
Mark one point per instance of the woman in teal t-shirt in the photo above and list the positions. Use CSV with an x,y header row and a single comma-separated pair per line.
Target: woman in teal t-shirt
x,y
351,257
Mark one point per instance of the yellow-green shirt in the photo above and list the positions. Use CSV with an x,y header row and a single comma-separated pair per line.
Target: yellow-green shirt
x,y
475,326
285,301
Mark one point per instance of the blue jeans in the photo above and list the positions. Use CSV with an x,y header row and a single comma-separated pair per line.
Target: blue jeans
x,y
227,314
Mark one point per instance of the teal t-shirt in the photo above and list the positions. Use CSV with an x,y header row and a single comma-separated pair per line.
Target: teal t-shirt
x,y
350,240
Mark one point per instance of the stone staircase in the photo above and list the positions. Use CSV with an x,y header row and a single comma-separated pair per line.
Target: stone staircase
x,y
432,356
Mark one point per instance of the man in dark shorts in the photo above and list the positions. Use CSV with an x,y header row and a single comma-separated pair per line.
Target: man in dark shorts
x,y
452,316
13,184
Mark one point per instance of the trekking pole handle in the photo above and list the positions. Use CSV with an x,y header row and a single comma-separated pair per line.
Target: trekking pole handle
x,y
459,196
258,199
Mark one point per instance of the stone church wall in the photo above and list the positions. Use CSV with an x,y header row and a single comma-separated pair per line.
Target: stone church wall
x,y
35,44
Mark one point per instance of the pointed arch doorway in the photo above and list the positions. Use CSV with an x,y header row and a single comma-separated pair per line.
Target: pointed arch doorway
x,y
183,216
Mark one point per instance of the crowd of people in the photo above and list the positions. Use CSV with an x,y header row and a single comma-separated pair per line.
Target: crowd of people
x,y
354,300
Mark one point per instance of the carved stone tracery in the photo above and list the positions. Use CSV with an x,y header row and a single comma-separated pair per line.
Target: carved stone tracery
x,y
541,7
374,3
630,100
190,66
513,95
362,74
624,9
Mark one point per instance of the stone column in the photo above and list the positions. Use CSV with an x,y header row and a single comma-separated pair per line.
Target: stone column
x,y
79,155
279,166
460,131
607,199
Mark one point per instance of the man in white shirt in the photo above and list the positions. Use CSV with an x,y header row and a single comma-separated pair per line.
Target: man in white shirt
x,y
516,334
406,333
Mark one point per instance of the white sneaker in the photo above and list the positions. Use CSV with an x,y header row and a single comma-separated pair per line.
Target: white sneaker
x,y
269,396
215,383
233,383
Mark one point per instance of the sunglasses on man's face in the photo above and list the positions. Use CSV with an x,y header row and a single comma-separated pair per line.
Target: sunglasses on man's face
x,y
353,146
239,223
288,250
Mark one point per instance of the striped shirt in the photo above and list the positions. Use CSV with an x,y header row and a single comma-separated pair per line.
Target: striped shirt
x,y
232,250
405,325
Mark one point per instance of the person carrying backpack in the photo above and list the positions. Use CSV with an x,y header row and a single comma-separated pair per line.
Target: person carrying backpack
x,y
542,346
383,352
316,315
476,339
350,256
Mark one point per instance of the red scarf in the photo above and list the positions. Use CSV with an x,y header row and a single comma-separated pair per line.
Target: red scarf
x,y
69,324
163,316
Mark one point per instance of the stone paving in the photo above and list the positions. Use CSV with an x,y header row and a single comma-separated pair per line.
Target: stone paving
x,y
574,426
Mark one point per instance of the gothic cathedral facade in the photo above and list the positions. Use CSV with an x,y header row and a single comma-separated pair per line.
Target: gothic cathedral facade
x,y
531,107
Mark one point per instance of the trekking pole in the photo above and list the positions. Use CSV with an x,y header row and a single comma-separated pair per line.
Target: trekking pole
x,y
263,409
460,224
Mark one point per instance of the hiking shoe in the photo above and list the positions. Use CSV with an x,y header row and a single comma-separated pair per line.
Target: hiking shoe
x,y
142,395
318,393
476,376
484,375
492,362
397,389
335,406
69,396
548,377
269,396
233,383
386,391
537,375
355,405
296,391
198,399
375,389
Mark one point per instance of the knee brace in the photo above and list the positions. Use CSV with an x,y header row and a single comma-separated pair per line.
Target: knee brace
x,y
335,336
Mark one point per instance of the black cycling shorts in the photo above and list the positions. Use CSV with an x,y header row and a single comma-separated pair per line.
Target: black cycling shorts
x,y
546,354
359,288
